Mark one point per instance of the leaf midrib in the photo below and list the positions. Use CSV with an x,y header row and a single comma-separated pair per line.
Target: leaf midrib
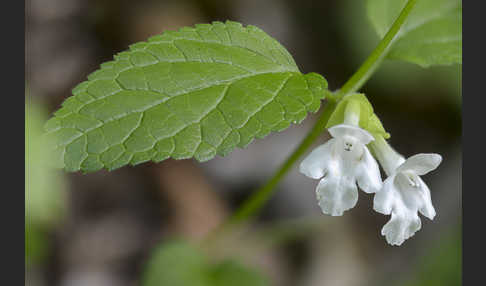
x,y
143,110
216,107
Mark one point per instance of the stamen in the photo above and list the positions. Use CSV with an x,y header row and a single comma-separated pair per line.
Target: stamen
x,y
412,182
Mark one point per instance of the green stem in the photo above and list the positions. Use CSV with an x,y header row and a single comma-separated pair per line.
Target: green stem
x,y
261,195
252,205
376,57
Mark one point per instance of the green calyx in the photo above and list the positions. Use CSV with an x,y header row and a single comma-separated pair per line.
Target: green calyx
x,y
358,104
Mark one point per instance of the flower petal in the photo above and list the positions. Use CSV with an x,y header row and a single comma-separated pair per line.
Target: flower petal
x,y
401,227
340,130
421,163
427,209
384,199
315,164
368,173
336,194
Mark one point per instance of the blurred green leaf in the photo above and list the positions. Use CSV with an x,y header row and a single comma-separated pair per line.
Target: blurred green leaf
x,y
181,264
176,264
235,274
432,34
44,186
196,92
442,264
36,243
395,78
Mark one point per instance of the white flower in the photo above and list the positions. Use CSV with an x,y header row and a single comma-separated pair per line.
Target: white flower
x,y
342,162
404,194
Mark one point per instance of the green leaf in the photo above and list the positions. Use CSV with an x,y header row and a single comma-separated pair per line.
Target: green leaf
x,y
36,243
441,263
432,34
196,92
44,186
180,264
367,118
176,264
235,274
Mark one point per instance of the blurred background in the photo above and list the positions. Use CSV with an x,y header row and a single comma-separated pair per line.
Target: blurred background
x,y
103,228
